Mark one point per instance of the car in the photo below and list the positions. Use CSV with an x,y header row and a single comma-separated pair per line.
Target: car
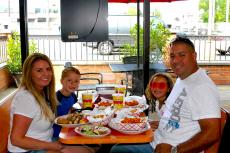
x,y
119,33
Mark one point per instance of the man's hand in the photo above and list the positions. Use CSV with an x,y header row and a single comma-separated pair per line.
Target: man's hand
x,y
163,148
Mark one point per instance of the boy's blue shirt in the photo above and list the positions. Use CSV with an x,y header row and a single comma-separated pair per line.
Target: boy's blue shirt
x,y
65,105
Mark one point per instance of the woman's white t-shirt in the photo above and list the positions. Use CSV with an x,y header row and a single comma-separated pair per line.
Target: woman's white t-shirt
x,y
24,103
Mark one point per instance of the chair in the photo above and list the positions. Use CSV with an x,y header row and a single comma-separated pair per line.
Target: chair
x,y
105,90
222,145
90,80
132,59
103,87
224,142
132,77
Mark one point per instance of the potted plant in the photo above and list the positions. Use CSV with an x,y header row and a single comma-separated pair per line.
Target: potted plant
x,y
14,62
159,36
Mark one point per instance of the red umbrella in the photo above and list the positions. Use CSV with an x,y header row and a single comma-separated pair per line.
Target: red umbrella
x,y
134,1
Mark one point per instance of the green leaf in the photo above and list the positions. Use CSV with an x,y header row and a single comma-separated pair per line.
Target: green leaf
x,y
14,62
159,36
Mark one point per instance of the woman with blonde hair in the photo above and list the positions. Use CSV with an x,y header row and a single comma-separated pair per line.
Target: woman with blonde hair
x,y
33,111
32,108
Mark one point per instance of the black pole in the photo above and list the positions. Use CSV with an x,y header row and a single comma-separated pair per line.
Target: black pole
x,y
23,29
138,33
146,24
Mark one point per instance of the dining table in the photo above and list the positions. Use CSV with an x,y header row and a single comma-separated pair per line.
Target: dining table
x,y
69,136
136,131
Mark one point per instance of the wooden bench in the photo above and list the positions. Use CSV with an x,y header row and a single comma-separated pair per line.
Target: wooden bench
x,y
5,122
6,79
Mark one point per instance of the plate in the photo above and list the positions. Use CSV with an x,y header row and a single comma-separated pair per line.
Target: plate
x,y
92,131
147,127
69,124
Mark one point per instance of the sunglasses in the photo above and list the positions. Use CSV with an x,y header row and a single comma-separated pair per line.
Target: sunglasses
x,y
161,85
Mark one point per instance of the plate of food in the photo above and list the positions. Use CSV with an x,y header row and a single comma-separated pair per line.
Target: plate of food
x,y
71,120
92,131
131,132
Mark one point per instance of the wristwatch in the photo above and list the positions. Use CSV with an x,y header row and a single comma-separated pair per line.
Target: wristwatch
x,y
174,149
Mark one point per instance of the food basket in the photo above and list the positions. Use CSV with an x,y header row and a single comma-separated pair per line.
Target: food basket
x,y
119,125
136,102
104,103
98,117
130,132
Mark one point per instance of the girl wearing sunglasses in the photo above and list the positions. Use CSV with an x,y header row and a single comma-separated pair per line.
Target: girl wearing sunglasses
x,y
157,91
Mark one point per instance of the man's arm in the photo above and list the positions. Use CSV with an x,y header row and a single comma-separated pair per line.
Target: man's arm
x,y
209,134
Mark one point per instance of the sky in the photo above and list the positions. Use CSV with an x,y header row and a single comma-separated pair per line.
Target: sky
x,y
186,11
168,10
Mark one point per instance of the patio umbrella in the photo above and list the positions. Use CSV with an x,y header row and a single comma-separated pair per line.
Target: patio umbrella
x,y
134,1
146,32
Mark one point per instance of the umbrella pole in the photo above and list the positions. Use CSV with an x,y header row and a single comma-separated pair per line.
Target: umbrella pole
x,y
138,33
146,42
23,29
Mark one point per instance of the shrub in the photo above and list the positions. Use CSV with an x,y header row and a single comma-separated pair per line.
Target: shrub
x,y
14,62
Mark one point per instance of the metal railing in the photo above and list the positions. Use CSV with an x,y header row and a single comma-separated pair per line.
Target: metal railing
x,y
208,49
88,53
3,51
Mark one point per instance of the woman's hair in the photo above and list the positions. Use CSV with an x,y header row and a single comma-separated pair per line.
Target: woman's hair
x,y
169,80
69,69
49,97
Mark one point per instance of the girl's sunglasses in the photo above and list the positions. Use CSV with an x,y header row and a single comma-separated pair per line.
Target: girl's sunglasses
x,y
160,85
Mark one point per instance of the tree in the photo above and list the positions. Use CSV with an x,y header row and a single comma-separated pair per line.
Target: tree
x,y
220,10
159,36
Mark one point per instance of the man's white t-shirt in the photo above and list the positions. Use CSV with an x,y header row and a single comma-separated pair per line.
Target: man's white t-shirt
x,y
191,99
24,103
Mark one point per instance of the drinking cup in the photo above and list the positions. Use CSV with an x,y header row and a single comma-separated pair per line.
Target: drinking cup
x,y
87,99
118,100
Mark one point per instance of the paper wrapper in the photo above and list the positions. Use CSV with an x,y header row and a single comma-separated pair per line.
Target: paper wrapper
x,y
106,116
